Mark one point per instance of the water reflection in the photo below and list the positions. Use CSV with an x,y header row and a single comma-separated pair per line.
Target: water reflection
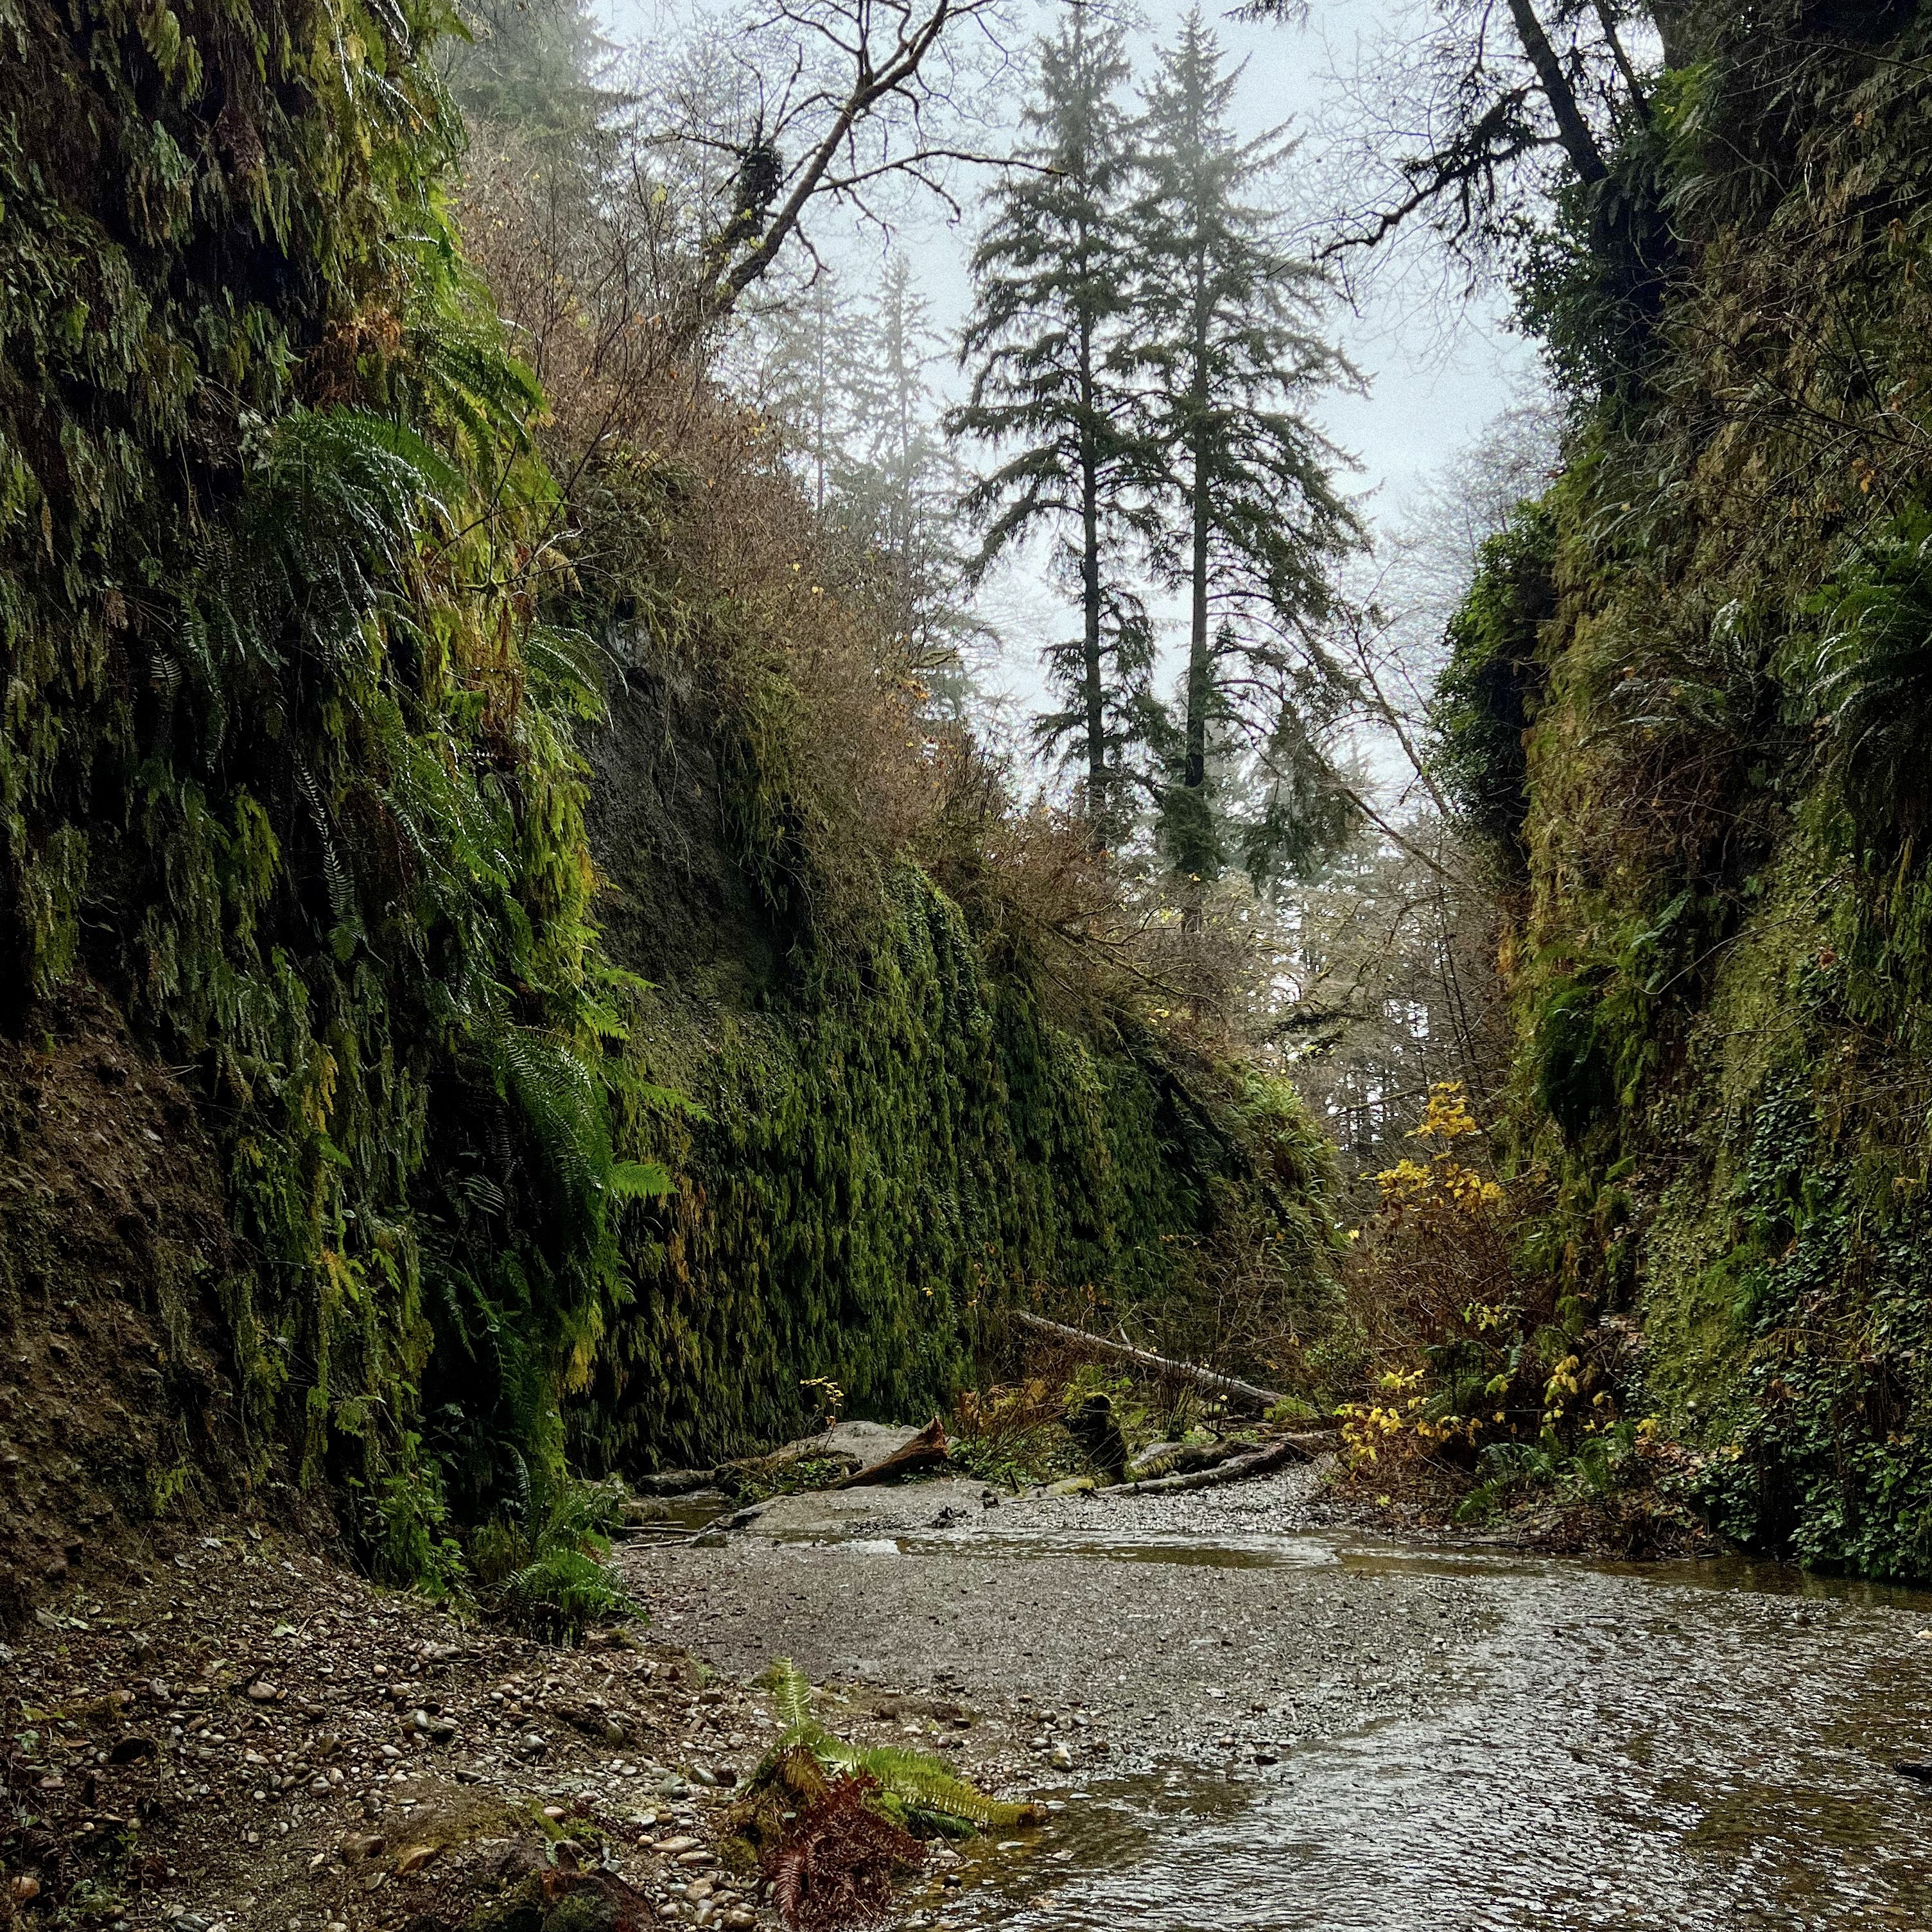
x,y
1697,1746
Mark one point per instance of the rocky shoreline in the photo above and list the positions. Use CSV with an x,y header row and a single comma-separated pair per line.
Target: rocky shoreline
x,y
256,1737
252,1739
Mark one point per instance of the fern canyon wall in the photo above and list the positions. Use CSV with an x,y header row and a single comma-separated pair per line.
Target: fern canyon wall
x,y
1689,705
495,980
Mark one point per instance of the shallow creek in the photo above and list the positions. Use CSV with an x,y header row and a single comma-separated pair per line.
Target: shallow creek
x,y
1306,1729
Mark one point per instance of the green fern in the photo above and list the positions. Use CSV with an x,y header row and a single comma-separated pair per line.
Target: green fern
x,y
791,1695
306,672
910,1779
563,1591
922,1782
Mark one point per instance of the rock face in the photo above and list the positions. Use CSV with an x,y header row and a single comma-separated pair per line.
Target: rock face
x,y
113,1256
900,1127
870,1442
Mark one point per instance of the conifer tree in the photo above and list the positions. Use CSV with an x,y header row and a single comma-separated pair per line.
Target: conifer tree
x,y
1049,283
1222,325
898,485
799,354
536,69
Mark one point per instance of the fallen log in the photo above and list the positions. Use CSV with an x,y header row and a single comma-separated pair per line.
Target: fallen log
x,y
686,1482
926,1451
1207,1379
1236,1469
1181,1459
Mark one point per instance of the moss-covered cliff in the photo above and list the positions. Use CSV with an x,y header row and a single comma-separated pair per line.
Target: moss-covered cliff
x,y
1718,623
905,1129
298,681
285,762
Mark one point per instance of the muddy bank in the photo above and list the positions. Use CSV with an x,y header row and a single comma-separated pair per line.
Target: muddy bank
x,y
248,1737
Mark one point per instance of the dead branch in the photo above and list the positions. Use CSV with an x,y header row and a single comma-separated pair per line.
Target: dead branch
x,y
926,1451
1207,1379
1238,1469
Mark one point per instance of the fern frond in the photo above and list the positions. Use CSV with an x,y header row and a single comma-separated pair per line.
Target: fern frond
x,y
639,1180
791,1694
917,1779
566,667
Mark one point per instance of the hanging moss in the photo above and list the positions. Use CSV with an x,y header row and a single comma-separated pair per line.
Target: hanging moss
x,y
285,761
901,1140
1722,976
289,770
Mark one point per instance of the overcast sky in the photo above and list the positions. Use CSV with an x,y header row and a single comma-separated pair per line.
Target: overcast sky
x,y
1439,369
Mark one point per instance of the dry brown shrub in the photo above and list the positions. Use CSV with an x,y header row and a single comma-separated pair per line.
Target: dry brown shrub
x,y
680,501
837,1865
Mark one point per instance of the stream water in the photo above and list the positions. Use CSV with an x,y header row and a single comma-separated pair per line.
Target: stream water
x,y
1689,1745
1312,1730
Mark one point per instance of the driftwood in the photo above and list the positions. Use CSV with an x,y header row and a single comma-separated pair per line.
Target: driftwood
x,y
1207,1379
926,1451
812,1450
685,1482
1237,1469
1182,1459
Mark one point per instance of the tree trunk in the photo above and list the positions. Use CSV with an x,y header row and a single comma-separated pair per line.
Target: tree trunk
x,y
926,1451
1194,777
1098,804
1578,143
1673,20
1207,1379
1263,1461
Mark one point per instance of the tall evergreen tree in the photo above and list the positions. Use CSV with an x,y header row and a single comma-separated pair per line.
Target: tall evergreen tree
x,y
795,365
1222,324
536,69
898,486
1049,277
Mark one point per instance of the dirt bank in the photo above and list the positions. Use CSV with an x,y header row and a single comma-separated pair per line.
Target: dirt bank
x,y
253,1738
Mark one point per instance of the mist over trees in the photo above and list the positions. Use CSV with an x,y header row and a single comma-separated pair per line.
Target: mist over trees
x,y
1223,351
1051,398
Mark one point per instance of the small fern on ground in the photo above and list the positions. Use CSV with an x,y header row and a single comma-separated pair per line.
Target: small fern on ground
x,y
836,1866
542,1563
791,1695
913,1782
